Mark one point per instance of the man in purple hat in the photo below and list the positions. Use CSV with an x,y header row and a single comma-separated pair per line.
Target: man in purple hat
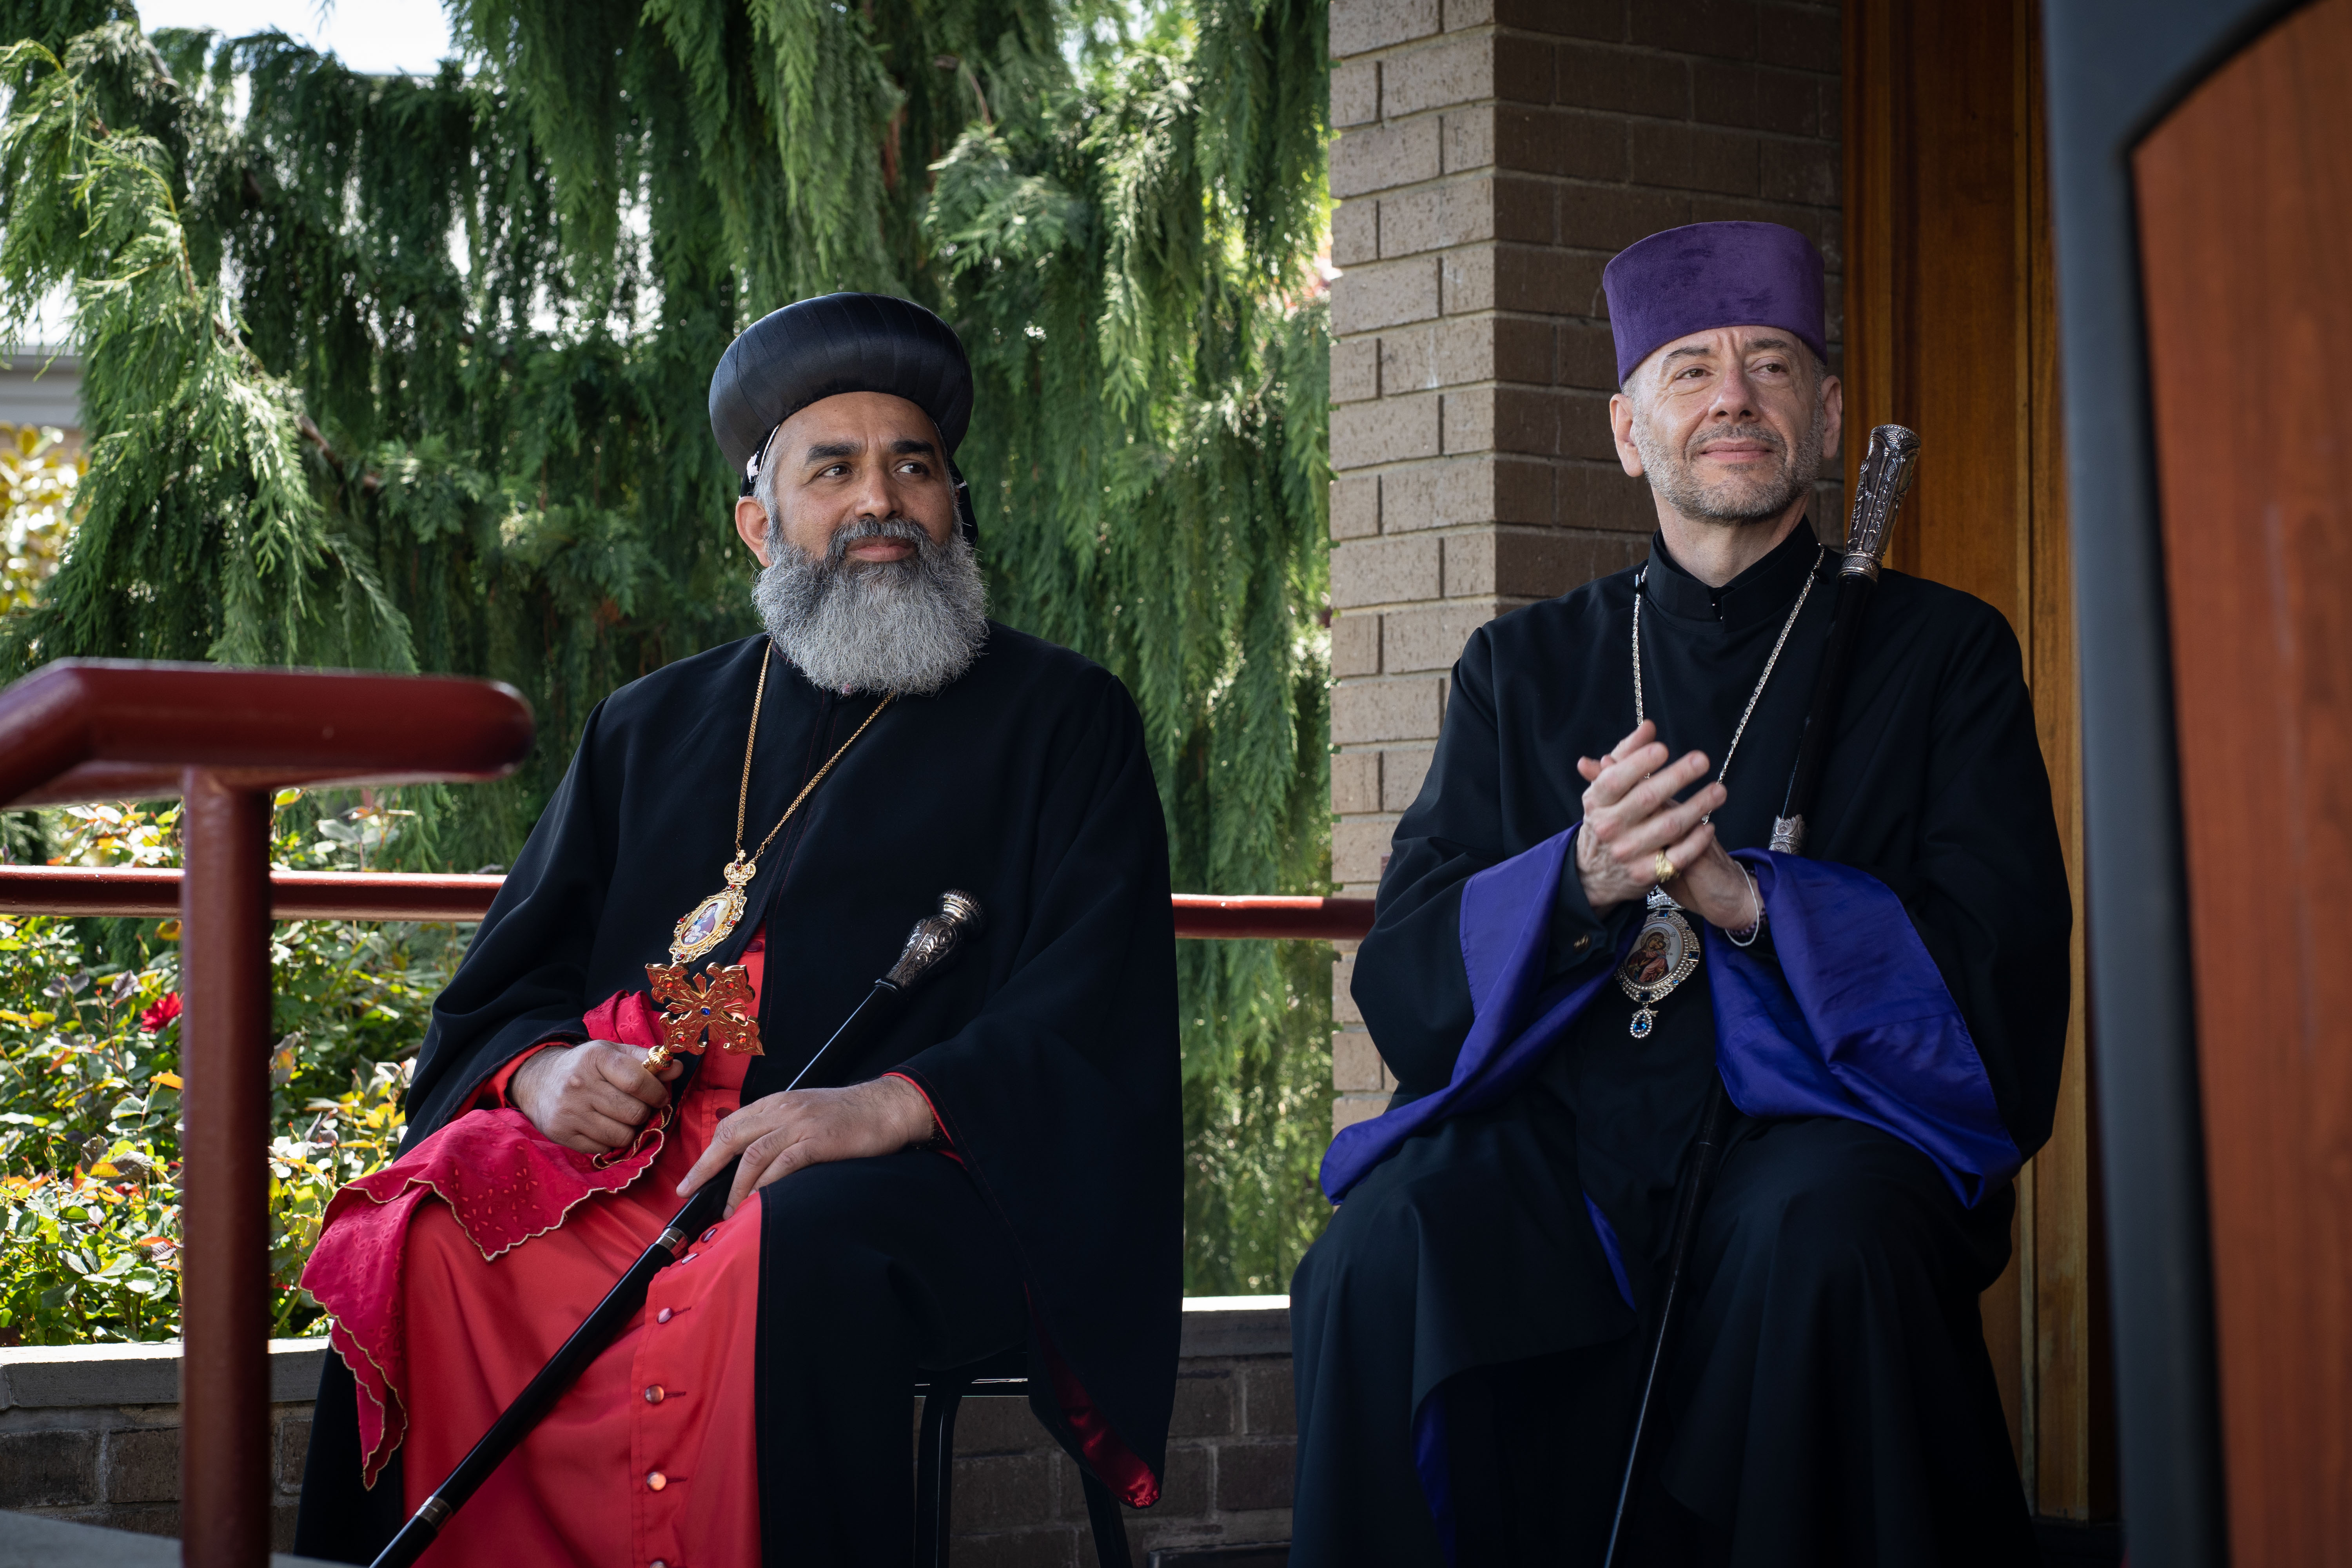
x,y
1579,933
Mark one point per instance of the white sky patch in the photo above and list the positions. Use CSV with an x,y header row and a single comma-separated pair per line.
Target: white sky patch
x,y
49,323
380,37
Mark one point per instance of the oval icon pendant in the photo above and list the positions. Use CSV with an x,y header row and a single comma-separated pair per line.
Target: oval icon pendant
x,y
1664,952
706,924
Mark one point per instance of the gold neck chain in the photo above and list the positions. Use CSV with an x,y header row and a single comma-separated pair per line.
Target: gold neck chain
x,y
705,926
743,795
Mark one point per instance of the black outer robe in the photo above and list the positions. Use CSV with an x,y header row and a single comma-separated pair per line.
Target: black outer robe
x,y
1935,786
1048,1047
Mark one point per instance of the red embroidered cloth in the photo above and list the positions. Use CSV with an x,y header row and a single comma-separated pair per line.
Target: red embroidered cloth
x,y
504,1182
472,1295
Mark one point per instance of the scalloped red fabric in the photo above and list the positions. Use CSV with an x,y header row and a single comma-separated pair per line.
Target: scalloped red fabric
x,y
504,1182
406,1280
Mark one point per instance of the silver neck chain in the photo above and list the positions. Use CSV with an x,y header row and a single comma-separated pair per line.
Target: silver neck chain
x,y
1640,716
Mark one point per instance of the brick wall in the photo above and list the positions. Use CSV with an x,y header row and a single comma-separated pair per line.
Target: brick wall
x,y
1018,1503
119,1465
92,1434
1493,154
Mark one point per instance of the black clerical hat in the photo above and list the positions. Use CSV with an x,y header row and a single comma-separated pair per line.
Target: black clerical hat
x,y
834,343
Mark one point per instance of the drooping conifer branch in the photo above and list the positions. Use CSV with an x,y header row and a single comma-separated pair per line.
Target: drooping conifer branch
x,y
445,405
201,537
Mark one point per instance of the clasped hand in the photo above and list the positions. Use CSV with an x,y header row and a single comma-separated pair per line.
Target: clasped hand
x,y
594,1096
1630,814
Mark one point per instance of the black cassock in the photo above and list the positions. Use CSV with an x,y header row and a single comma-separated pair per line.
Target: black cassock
x,y
1466,1338
1047,1048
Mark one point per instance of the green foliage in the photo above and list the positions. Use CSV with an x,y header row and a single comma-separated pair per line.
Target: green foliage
x,y
1156,436
1253,1141
89,1091
38,479
411,373
191,437
86,1204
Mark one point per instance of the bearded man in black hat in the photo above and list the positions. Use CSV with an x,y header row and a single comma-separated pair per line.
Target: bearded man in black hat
x,y
1580,934
997,1169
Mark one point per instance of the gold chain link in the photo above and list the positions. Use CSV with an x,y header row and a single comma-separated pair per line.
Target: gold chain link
x,y
743,795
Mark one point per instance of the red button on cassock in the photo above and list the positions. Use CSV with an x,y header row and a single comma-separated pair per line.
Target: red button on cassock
x,y
656,1393
655,1479
662,1315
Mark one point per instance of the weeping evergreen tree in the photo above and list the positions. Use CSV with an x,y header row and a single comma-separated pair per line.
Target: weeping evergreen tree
x,y
410,373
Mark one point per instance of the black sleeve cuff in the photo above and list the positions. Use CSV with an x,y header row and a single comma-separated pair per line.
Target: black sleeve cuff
x,y
1578,935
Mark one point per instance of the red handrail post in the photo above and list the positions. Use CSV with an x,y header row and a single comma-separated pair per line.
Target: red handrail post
x,y
225,1483
226,739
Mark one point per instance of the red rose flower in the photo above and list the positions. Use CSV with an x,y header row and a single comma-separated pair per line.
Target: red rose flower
x,y
161,1013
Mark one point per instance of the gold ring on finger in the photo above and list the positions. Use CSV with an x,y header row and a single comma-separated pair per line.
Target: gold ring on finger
x,y
1665,867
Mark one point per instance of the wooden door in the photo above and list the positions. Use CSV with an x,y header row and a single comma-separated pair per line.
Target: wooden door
x,y
2245,204
1950,329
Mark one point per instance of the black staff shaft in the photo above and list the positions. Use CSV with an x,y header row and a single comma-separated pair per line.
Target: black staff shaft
x,y
1705,1154
587,1341
931,943
1884,481
1885,477
1853,592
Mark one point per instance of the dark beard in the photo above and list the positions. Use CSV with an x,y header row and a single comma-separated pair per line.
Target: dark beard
x,y
910,627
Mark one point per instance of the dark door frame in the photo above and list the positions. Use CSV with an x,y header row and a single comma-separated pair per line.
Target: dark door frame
x,y
2115,70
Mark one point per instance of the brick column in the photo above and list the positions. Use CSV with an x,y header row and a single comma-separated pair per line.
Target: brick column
x,y
1493,154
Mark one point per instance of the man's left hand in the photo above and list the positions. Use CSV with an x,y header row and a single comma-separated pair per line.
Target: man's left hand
x,y
1713,886
785,1133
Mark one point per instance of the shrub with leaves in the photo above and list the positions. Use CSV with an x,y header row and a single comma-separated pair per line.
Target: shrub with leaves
x,y
90,1086
39,482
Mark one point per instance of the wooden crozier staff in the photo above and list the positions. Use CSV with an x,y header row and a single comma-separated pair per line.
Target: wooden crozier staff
x,y
1886,470
934,940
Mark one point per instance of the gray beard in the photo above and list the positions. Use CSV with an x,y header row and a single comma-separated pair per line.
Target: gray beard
x,y
910,627
1761,499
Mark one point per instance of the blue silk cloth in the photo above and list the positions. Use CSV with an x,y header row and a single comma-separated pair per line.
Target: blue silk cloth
x,y
1857,1021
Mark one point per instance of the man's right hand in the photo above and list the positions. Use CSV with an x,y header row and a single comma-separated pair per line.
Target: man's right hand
x,y
1630,817
592,1097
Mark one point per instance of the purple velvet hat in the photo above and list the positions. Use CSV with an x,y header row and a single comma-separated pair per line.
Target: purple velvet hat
x,y
1710,275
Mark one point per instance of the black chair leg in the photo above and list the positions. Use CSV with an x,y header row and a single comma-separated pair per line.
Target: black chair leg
x,y
935,1474
1110,1531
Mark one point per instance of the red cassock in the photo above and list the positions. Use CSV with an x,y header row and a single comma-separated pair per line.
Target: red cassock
x,y
453,1273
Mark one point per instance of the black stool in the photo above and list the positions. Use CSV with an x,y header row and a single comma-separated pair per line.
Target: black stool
x,y
1003,1376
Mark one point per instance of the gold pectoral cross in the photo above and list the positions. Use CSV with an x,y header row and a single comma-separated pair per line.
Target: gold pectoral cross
x,y
721,1005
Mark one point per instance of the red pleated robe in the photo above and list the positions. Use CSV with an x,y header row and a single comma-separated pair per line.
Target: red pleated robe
x,y
455,1273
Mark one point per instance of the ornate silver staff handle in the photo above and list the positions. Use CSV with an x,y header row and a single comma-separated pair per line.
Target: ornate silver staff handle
x,y
1887,468
935,939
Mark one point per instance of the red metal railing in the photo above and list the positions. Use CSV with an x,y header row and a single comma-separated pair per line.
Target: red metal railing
x,y
293,895
223,741
402,896
1272,915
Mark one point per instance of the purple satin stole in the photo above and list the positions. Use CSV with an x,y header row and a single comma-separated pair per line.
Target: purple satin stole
x,y
1858,1023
